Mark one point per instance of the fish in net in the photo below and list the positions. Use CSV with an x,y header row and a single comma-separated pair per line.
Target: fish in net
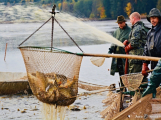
x,y
52,75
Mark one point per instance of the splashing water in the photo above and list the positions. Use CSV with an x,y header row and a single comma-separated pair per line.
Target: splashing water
x,y
51,112
14,34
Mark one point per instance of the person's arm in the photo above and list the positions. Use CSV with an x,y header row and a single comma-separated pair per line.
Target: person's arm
x,y
146,53
145,63
112,48
135,37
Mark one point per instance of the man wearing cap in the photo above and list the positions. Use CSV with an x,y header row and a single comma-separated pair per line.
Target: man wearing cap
x,y
136,41
121,33
153,48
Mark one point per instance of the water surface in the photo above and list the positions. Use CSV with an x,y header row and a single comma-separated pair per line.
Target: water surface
x,y
28,107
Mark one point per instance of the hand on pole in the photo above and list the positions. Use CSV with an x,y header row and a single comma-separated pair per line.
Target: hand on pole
x,y
145,69
126,43
128,48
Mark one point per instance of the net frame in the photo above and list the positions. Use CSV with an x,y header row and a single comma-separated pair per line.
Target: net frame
x,y
52,64
132,81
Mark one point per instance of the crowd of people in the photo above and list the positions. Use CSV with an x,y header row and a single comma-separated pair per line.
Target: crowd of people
x,y
139,40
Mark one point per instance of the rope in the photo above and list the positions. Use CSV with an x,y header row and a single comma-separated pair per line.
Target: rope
x,y
52,31
69,35
92,84
101,91
35,31
86,93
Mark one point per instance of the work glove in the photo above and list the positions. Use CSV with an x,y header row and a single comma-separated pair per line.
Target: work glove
x,y
110,51
128,48
144,69
126,43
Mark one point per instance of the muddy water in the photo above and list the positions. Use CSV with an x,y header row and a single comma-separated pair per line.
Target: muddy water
x,y
27,106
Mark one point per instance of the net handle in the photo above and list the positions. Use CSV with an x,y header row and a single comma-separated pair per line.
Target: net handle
x,y
137,57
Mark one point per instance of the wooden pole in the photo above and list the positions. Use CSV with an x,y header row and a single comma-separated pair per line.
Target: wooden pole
x,y
5,52
135,107
124,114
147,58
126,65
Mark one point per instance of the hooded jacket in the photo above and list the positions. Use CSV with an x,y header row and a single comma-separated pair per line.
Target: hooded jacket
x,y
153,44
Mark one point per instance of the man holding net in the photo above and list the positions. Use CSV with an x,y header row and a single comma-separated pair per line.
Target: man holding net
x,y
121,34
153,48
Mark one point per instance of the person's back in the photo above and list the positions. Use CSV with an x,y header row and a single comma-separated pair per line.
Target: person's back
x,y
136,42
137,38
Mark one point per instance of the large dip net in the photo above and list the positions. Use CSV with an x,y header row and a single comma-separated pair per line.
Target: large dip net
x,y
53,75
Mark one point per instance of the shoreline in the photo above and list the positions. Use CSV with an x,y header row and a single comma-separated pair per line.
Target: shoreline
x,y
38,21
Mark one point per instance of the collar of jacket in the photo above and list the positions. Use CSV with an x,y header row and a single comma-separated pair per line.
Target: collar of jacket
x,y
157,28
123,27
138,22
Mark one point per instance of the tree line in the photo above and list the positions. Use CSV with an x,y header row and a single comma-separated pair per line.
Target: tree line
x,y
99,9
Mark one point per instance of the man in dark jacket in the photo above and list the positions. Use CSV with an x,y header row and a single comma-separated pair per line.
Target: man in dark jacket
x,y
153,44
121,34
152,48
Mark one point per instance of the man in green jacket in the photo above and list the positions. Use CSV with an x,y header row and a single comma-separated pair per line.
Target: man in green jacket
x,y
122,34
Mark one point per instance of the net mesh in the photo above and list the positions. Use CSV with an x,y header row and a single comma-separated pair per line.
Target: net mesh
x,y
52,75
113,103
132,81
144,108
91,87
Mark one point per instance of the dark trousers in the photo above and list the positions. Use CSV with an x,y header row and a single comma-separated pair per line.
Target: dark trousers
x,y
120,69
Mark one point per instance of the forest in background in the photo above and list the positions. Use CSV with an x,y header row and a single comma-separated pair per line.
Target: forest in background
x,y
95,9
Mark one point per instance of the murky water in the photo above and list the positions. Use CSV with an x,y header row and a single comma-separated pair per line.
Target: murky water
x,y
28,107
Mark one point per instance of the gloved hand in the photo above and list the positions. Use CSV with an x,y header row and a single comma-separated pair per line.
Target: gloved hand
x,y
144,69
110,51
128,48
126,43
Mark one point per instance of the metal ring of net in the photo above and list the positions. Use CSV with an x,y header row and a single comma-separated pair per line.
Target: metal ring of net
x,y
53,75
132,81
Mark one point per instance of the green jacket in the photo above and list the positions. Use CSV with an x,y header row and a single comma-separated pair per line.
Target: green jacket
x,y
137,38
121,35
